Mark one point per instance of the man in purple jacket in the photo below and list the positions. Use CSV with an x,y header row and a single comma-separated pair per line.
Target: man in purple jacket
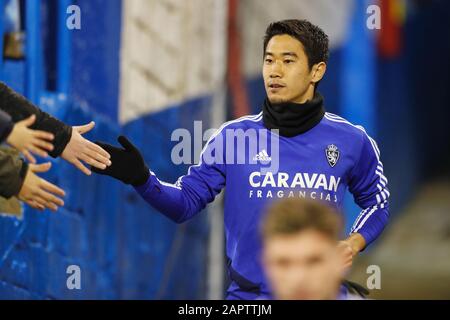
x,y
293,148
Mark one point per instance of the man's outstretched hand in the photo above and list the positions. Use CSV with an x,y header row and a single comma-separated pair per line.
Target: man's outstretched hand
x,y
39,193
80,149
127,165
30,141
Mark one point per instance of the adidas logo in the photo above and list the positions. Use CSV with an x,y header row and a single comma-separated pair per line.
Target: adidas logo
x,y
262,156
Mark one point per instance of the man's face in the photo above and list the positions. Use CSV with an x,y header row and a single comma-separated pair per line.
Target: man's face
x,y
303,266
287,76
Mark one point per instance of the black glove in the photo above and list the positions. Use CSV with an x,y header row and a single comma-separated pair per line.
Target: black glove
x,y
127,165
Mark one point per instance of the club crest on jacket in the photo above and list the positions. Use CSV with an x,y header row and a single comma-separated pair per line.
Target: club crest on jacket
x,y
332,153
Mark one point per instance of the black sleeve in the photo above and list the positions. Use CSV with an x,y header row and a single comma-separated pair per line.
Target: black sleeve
x,y
20,108
6,126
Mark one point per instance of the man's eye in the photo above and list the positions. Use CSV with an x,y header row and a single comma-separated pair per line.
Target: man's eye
x,y
268,60
288,61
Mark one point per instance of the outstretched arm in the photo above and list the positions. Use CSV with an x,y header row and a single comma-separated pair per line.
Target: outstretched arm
x,y
179,201
19,108
67,142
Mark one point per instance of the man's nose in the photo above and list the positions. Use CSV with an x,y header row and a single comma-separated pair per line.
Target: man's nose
x,y
276,71
274,75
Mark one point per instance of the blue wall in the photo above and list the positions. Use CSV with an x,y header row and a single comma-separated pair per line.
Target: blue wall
x,y
36,251
165,252
124,248
96,51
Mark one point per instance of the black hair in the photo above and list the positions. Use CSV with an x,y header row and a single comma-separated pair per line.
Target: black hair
x,y
314,39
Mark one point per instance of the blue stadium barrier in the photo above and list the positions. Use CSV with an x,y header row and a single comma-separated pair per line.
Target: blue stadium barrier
x,y
125,249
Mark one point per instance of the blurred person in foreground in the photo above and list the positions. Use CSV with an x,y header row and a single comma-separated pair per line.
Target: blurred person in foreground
x,y
307,153
301,254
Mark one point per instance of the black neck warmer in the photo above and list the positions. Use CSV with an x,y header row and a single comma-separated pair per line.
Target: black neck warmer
x,y
292,119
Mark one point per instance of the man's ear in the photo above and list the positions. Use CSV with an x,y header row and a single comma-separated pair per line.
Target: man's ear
x,y
318,71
